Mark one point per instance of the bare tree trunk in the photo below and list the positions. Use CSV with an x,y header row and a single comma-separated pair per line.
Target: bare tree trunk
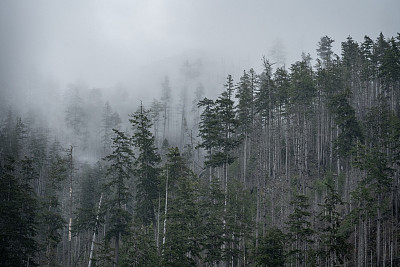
x,y
94,233
116,250
165,211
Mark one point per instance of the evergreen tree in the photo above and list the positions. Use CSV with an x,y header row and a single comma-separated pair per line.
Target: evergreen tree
x,y
209,129
118,194
110,120
245,96
17,218
325,50
346,120
182,243
139,248
333,243
266,96
300,231
51,221
214,234
145,166
270,251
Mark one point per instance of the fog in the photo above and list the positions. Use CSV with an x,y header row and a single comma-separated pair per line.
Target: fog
x,y
126,48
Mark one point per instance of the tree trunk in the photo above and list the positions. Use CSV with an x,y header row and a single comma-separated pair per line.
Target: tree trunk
x,y
94,233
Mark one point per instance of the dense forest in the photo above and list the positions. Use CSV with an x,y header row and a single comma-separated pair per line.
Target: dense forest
x,y
293,166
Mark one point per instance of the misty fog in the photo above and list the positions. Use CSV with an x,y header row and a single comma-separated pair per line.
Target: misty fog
x,y
123,50
216,116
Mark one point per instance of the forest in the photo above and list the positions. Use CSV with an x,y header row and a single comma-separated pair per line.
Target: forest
x,y
292,166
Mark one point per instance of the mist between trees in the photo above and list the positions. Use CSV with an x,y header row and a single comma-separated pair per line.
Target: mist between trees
x,y
293,166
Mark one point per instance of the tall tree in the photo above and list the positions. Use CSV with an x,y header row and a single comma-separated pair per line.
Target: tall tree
x,y
324,50
146,168
300,231
118,194
110,120
182,238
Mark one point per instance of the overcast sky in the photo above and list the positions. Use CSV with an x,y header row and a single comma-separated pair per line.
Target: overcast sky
x,y
104,42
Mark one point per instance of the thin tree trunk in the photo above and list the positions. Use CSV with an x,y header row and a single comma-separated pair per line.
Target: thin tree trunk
x,y
116,250
94,233
165,211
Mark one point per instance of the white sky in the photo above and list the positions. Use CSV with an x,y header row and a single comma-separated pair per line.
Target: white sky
x,y
105,42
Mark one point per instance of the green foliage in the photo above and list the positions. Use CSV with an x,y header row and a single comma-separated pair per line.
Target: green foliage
x,y
266,95
118,194
139,248
282,83
240,211
91,187
302,89
213,207
245,95
299,229
218,126
346,120
49,216
333,246
145,166
105,254
270,252
17,219
183,220
324,50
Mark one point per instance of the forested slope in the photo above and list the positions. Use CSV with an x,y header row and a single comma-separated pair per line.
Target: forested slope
x,y
293,166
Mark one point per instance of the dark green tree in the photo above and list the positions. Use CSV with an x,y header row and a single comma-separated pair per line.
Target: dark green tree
x,y
346,120
334,244
118,194
214,232
300,232
245,95
209,128
182,242
139,248
145,170
266,95
17,218
51,221
302,89
324,50
270,251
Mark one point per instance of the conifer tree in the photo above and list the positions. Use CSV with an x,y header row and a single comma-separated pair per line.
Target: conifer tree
x,y
118,194
17,218
270,251
146,168
182,242
51,221
300,231
333,244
